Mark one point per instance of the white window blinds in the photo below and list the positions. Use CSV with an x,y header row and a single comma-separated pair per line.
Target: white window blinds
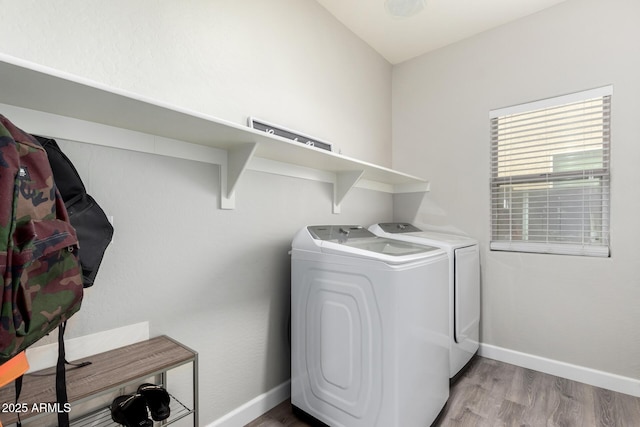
x,y
550,175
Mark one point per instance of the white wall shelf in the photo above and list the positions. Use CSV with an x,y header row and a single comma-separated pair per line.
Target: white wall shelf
x,y
163,127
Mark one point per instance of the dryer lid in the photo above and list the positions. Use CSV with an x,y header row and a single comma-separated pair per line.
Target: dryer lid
x,y
398,227
409,232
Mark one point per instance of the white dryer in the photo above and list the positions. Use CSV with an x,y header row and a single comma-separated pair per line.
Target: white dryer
x,y
369,329
464,285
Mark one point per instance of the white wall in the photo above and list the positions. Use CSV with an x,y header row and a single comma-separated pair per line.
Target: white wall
x,y
286,61
582,311
216,280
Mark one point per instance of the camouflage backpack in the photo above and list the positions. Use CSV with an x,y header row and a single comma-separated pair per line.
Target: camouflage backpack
x,y
42,282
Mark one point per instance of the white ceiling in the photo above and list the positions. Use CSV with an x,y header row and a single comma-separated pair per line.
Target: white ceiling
x,y
440,23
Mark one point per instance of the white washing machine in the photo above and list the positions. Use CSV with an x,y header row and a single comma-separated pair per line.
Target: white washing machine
x,y
369,329
464,285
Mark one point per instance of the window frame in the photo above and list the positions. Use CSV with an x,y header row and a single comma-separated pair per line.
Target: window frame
x,y
602,174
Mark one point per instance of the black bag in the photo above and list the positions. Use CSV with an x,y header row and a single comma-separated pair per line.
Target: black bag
x,y
92,226
39,265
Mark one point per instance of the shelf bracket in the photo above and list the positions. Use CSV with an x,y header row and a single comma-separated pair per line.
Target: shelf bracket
x,y
345,181
230,173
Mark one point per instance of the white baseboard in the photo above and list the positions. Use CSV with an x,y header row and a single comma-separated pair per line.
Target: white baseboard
x,y
581,374
251,410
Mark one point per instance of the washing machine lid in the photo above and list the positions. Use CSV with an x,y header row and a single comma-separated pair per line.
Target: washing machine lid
x,y
357,241
410,232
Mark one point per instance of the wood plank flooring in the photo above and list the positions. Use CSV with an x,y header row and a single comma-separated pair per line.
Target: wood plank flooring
x,y
496,394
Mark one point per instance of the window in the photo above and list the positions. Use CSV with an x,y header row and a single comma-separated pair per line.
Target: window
x,y
550,175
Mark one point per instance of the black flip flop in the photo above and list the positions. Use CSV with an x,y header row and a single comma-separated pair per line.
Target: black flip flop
x,y
130,411
157,400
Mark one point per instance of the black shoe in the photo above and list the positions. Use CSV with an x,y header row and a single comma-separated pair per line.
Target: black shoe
x,y
157,400
130,411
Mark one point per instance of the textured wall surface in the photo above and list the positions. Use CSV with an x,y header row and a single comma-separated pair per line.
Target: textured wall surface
x,y
285,61
578,310
213,279
216,280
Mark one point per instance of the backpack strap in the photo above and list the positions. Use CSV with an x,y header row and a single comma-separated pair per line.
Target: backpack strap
x,y
18,384
61,379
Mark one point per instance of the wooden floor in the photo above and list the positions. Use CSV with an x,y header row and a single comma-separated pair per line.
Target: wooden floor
x,y
492,394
